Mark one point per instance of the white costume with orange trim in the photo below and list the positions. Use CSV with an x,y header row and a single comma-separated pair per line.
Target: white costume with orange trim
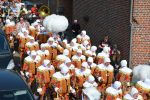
x,y
45,72
114,92
30,64
77,61
43,54
31,46
130,95
105,73
61,83
144,88
102,55
81,76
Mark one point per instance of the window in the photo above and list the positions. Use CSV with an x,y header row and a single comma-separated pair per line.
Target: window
x,y
15,95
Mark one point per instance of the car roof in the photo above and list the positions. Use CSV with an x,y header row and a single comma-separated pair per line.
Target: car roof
x,y
10,80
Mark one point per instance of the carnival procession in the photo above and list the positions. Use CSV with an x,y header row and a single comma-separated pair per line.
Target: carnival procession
x,y
56,67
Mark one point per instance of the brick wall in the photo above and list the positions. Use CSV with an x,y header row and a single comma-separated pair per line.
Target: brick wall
x,y
111,17
140,47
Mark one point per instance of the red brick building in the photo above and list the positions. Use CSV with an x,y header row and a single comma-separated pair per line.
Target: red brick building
x,y
140,44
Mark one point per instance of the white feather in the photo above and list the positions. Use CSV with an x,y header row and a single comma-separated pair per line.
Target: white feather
x,y
141,72
55,23
92,93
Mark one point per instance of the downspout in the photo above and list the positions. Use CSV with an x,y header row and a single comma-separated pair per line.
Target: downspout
x,y
131,34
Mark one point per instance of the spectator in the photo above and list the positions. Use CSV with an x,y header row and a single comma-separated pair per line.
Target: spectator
x,y
115,55
23,8
104,42
22,24
34,9
11,16
29,16
5,3
14,10
76,28
18,6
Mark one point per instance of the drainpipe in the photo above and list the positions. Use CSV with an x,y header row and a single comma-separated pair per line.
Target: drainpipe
x,y
131,34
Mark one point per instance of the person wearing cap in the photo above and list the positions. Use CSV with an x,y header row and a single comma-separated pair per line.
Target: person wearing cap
x,y
104,73
42,37
23,39
79,39
51,47
61,83
37,26
65,43
88,53
133,95
93,49
60,59
144,88
54,48
44,75
78,59
73,47
113,92
31,63
31,45
91,53
90,82
124,75
68,63
43,53
84,37
91,65
81,75
82,47
23,9
86,45
105,53
33,29
9,27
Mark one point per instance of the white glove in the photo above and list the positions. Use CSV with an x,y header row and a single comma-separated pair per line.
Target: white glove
x,y
39,90
95,84
72,90
27,74
22,73
99,79
56,89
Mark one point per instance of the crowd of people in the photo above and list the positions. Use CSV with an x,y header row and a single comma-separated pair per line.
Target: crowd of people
x,y
55,68
14,9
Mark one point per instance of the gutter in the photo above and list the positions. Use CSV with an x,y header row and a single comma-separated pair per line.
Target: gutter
x,y
131,33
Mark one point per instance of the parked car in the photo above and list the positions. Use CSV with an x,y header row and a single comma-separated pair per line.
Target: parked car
x,y
6,57
13,87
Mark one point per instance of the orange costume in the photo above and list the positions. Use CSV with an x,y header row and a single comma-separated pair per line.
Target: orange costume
x,y
61,83
105,75
80,77
31,65
144,88
114,92
31,46
77,60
